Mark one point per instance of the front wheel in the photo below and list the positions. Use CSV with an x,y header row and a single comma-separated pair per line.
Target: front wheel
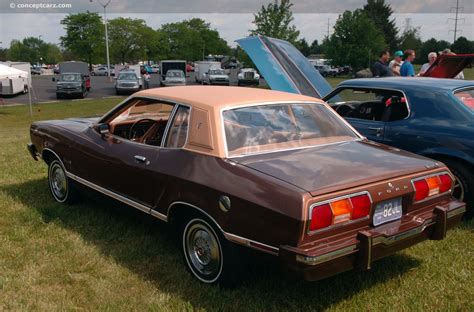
x,y
207,254
59,184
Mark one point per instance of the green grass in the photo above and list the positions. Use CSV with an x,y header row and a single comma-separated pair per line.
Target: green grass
x,y
99,255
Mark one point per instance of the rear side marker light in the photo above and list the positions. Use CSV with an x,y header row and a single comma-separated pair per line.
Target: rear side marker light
x,y
431,186
340,211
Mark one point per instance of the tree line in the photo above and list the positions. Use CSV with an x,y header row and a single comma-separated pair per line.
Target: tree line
x,y
357,38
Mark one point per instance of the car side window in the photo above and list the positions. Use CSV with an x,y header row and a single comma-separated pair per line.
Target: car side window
x,y
178,131
370,104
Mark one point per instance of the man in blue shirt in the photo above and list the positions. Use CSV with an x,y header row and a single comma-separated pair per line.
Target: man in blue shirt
x,y
407,69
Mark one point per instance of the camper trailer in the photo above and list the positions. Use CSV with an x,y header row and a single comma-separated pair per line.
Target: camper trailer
x,y
14,77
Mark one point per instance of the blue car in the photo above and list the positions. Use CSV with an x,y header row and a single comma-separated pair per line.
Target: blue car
x,y
428,116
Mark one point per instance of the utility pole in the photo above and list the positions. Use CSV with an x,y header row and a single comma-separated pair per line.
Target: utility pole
x,y
104,4
328,29
456,10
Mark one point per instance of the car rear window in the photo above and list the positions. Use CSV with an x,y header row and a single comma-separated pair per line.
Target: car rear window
x,y
466,97
275,127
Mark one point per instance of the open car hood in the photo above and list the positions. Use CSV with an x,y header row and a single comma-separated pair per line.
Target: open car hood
x,y
284,67
448,66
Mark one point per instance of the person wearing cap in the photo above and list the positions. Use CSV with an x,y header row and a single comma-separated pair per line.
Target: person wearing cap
x,y
380,68
396,63
407,69
432,56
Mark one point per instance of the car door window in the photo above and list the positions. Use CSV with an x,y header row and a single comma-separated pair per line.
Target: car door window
x,y
143,121
178,131
370,104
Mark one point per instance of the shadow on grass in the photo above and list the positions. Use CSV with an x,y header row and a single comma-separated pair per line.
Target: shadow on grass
x,y
147,247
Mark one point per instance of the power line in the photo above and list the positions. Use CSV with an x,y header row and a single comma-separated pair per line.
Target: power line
x,y
456,10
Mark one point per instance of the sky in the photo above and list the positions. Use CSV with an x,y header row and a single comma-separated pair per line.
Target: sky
x,y
232,18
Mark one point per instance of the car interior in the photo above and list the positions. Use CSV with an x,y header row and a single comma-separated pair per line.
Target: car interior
x,y
145,121
377,105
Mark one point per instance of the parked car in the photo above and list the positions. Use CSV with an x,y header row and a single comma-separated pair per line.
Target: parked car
x,y
276,172
70,85
216,76
326,70
102,71
248,76
126,82
77,67
171,65
174,77
202,67
432,117
35,70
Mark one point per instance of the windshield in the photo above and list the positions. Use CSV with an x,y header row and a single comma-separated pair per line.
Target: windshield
x,y
127,76
216,72
70,77
466,97
273,127
174,74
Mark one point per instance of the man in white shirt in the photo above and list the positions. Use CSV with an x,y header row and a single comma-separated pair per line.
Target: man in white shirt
x,y
432,56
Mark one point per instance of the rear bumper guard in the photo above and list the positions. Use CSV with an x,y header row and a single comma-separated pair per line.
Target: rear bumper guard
x,y
369,240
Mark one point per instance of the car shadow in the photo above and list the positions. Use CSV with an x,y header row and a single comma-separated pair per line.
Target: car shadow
x,y
147,247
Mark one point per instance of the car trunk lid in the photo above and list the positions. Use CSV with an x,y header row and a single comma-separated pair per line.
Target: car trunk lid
x,y
334,167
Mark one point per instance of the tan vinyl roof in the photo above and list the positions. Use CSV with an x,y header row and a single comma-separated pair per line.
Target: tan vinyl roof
x,y
205,133
220,96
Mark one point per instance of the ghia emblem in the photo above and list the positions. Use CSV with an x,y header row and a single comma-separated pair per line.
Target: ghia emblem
x,y
390,185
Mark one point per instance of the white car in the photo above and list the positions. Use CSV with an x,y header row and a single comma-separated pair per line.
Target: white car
x,y
216,76
101,71
174,77
248,76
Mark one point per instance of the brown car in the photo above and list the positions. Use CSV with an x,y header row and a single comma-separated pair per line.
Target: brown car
x,y
277,172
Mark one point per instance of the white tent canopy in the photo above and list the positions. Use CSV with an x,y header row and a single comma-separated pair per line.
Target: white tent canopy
x,y
7,72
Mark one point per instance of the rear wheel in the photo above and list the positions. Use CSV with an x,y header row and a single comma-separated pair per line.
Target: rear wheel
x,y
464,184
208,255
61,188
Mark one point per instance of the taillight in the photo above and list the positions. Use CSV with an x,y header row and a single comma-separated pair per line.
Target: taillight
x,y
446,183
431,186
352,207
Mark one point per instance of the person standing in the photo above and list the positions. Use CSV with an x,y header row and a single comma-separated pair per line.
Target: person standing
x,y
396,63
146,80
407,69
432,56
380,68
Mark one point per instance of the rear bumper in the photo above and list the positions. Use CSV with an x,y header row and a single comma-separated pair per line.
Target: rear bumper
x,y
321,261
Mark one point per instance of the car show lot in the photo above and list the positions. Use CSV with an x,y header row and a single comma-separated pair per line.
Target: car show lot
x,y
44,89
99,254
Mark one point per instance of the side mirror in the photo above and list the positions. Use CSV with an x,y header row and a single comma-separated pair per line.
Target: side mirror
x,y
53,79
104,129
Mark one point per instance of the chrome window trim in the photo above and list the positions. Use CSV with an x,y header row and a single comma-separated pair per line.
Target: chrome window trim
x,y
168,126
429,176
335,226
223,109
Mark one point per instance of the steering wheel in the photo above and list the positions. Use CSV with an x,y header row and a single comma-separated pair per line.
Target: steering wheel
x,y
132,135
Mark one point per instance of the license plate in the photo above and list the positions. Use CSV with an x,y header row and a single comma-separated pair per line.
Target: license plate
x,y
389,210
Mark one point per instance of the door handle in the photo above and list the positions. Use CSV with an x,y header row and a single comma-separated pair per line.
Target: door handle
x,y
141,159
378,131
